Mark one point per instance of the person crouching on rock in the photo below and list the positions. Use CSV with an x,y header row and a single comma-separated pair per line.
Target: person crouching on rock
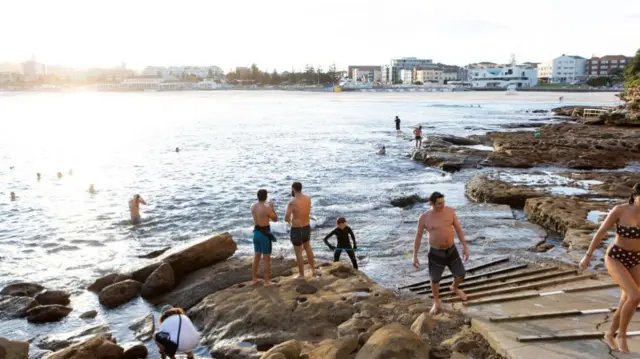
x,y
621,259
176,333
342,231
439,222
262,236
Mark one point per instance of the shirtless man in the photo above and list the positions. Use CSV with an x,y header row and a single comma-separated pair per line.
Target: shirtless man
x,y
297,216
134,207
262,236
439,222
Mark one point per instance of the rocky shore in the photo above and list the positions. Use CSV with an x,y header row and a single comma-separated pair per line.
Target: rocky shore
x,y
341,314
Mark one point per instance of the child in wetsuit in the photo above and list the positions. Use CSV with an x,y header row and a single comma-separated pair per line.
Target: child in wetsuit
x,y
342,231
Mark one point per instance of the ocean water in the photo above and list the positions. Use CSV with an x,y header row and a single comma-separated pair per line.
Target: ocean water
x,y
232,143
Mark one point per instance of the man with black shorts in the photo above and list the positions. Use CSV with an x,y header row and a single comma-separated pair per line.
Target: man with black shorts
x,y
418,133
298,212
439,222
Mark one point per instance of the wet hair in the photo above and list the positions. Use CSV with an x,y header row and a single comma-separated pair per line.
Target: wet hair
x,y
170,312
297,186
635,191
435,196
341,220
262,195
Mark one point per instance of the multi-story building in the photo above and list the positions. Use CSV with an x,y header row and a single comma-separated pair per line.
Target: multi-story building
x,y
432,75
405,77
67,74
7,77
503,77
600,66
116,74
391,72
483,65
33,70
172,72
365,73
562,69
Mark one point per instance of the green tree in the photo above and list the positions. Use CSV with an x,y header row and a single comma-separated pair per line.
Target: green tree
x,y
616,75
275,78
599,81
255,72
632,71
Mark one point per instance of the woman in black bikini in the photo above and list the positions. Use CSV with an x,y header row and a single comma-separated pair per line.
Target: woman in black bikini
x,y
622,259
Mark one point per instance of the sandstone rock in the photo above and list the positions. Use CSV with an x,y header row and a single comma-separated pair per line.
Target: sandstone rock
x,y
613,184
159,282
439,152
394,341
144,327
143,273
59,341
102,283
121,277
203,282
15,307
578,239
460,141
13,349
119,293
88,315
423,325
155,254
96,348
274,356
22,289
53,297
47,313
407,201
290,350
135,351
560,214
341,348
481,188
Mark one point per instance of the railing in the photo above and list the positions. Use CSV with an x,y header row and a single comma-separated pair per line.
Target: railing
x,y
594,112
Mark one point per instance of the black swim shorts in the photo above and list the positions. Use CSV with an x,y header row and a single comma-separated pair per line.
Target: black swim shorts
x,y
439,259
300,235
418,137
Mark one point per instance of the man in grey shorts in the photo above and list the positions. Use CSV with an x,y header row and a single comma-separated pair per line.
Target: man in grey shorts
x,y
439,222
298,213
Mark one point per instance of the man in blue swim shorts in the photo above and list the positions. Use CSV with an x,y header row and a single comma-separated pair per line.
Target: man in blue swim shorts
x,y
262,236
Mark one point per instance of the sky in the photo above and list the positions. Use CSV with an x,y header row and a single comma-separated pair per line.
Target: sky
x,y
286,34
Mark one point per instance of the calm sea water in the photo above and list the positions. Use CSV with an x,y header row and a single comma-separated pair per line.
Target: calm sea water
x,y
231,144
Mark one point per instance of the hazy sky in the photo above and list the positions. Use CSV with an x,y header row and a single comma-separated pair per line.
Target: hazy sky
x,y
284,33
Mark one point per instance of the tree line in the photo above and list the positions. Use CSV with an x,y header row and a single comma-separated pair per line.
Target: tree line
x,y
309,76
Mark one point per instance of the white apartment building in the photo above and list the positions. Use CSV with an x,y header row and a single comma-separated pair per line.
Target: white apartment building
x,y
429,75
563,69
391,72
405,76
33,70
503,77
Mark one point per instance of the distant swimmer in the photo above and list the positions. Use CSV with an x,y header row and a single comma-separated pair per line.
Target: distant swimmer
x,y
560,99
418,133
262,236
38,176
298,213
383,151
134,207
92,189
59,174
397,123
342,231
177,149
13,196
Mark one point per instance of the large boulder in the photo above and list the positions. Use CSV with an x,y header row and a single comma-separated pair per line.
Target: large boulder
x,y
223,275
340,348
22,289
559,214
481,188
15,307
407,201
290,349
102,283
445,153
53,297
135,351
394,341
423,325
59,341
119,293
47,313
144,327
95,348
13,349
160,281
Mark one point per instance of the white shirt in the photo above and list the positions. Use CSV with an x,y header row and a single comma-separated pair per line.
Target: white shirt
x,y
189,336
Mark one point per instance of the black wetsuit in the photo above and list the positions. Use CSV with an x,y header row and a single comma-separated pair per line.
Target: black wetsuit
x,y
397,124
343,242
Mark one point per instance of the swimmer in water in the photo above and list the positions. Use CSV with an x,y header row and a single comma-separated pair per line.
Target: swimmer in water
x,y
177,149
59,174
134,207
38,176
262,236
13,196
383,151
92,189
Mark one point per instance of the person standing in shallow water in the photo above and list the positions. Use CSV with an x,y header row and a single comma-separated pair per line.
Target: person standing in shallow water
x,y
134,208
621,259
397,123
298,216
439,222
262,236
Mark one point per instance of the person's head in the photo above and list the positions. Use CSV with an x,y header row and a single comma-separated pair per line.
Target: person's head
x,y
396,117
262,195
420,127
341,222
59,174
437,201
296,187
136,197
13,195
168,311
38,174
635,195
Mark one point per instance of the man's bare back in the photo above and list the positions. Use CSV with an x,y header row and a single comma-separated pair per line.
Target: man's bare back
x,y
262,213
440,226
300,207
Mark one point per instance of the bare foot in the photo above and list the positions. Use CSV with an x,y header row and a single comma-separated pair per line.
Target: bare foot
x,y
609,340
622,344
268,284
256,281
435,309
458,292
300,276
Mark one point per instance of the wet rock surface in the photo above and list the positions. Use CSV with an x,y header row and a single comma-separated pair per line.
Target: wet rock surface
x,y
485,189
47,313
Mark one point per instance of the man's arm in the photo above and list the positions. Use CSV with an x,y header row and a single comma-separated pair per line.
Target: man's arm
x,y
272,212
142,201
418,240
289,213
460,233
